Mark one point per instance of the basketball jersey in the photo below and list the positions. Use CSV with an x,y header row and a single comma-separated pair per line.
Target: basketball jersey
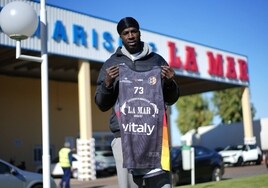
x,y
141,114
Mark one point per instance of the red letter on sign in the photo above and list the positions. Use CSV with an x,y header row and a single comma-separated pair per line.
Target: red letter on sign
x,y
190,63
243,68
175,62
231,72
215,65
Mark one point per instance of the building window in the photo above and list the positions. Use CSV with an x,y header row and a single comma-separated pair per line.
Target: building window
x,y
38,153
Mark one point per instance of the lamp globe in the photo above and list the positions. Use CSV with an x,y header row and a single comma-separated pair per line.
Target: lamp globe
x,y
18,20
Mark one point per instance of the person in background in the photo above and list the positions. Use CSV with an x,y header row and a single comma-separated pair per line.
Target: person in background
x,y
138,57
65,160
22,165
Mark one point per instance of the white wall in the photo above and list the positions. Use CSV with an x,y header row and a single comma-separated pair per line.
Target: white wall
x,y
220,136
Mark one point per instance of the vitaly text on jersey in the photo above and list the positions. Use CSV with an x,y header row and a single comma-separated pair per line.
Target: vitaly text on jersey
x,y
138,128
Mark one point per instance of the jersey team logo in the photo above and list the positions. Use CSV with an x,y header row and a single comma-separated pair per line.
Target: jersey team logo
x,y
152,80
146,107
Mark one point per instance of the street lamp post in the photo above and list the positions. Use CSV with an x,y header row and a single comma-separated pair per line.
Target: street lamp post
x,y
19,21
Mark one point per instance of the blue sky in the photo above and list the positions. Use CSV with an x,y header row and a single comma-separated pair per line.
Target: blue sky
x,y
238,26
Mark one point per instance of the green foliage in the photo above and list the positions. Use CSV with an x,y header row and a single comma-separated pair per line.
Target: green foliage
x,y
193,112
228,105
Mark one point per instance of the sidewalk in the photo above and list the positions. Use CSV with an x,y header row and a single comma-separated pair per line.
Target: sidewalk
x,y
103,182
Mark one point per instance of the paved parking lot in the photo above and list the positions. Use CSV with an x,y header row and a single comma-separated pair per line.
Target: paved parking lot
x,y
245,171
230,173
103,182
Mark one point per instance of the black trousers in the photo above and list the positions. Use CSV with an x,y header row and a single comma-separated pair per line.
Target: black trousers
x,y
158,181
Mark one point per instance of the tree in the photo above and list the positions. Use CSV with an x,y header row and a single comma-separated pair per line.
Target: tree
x,y
193,112
228,105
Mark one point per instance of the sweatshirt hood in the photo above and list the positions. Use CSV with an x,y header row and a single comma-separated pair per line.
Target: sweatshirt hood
x,y
146,50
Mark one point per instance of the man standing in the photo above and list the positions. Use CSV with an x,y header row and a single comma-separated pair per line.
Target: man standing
x,y
138,84
65,159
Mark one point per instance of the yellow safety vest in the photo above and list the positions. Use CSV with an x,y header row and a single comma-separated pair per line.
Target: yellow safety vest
x,y
64,157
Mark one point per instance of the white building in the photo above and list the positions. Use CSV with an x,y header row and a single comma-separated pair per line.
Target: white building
x,y
78,45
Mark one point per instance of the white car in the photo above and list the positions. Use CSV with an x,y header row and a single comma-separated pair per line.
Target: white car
x,y
13,177
241,154
105,162
56,169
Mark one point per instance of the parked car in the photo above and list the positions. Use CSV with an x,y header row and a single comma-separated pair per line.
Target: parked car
x,y
13,177
105,162
238,155
209,166
56,170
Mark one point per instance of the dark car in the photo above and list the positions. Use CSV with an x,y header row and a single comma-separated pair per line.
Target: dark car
x,y
209,166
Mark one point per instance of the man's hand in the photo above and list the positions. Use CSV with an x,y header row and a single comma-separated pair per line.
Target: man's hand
x,y
111,73
167,73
